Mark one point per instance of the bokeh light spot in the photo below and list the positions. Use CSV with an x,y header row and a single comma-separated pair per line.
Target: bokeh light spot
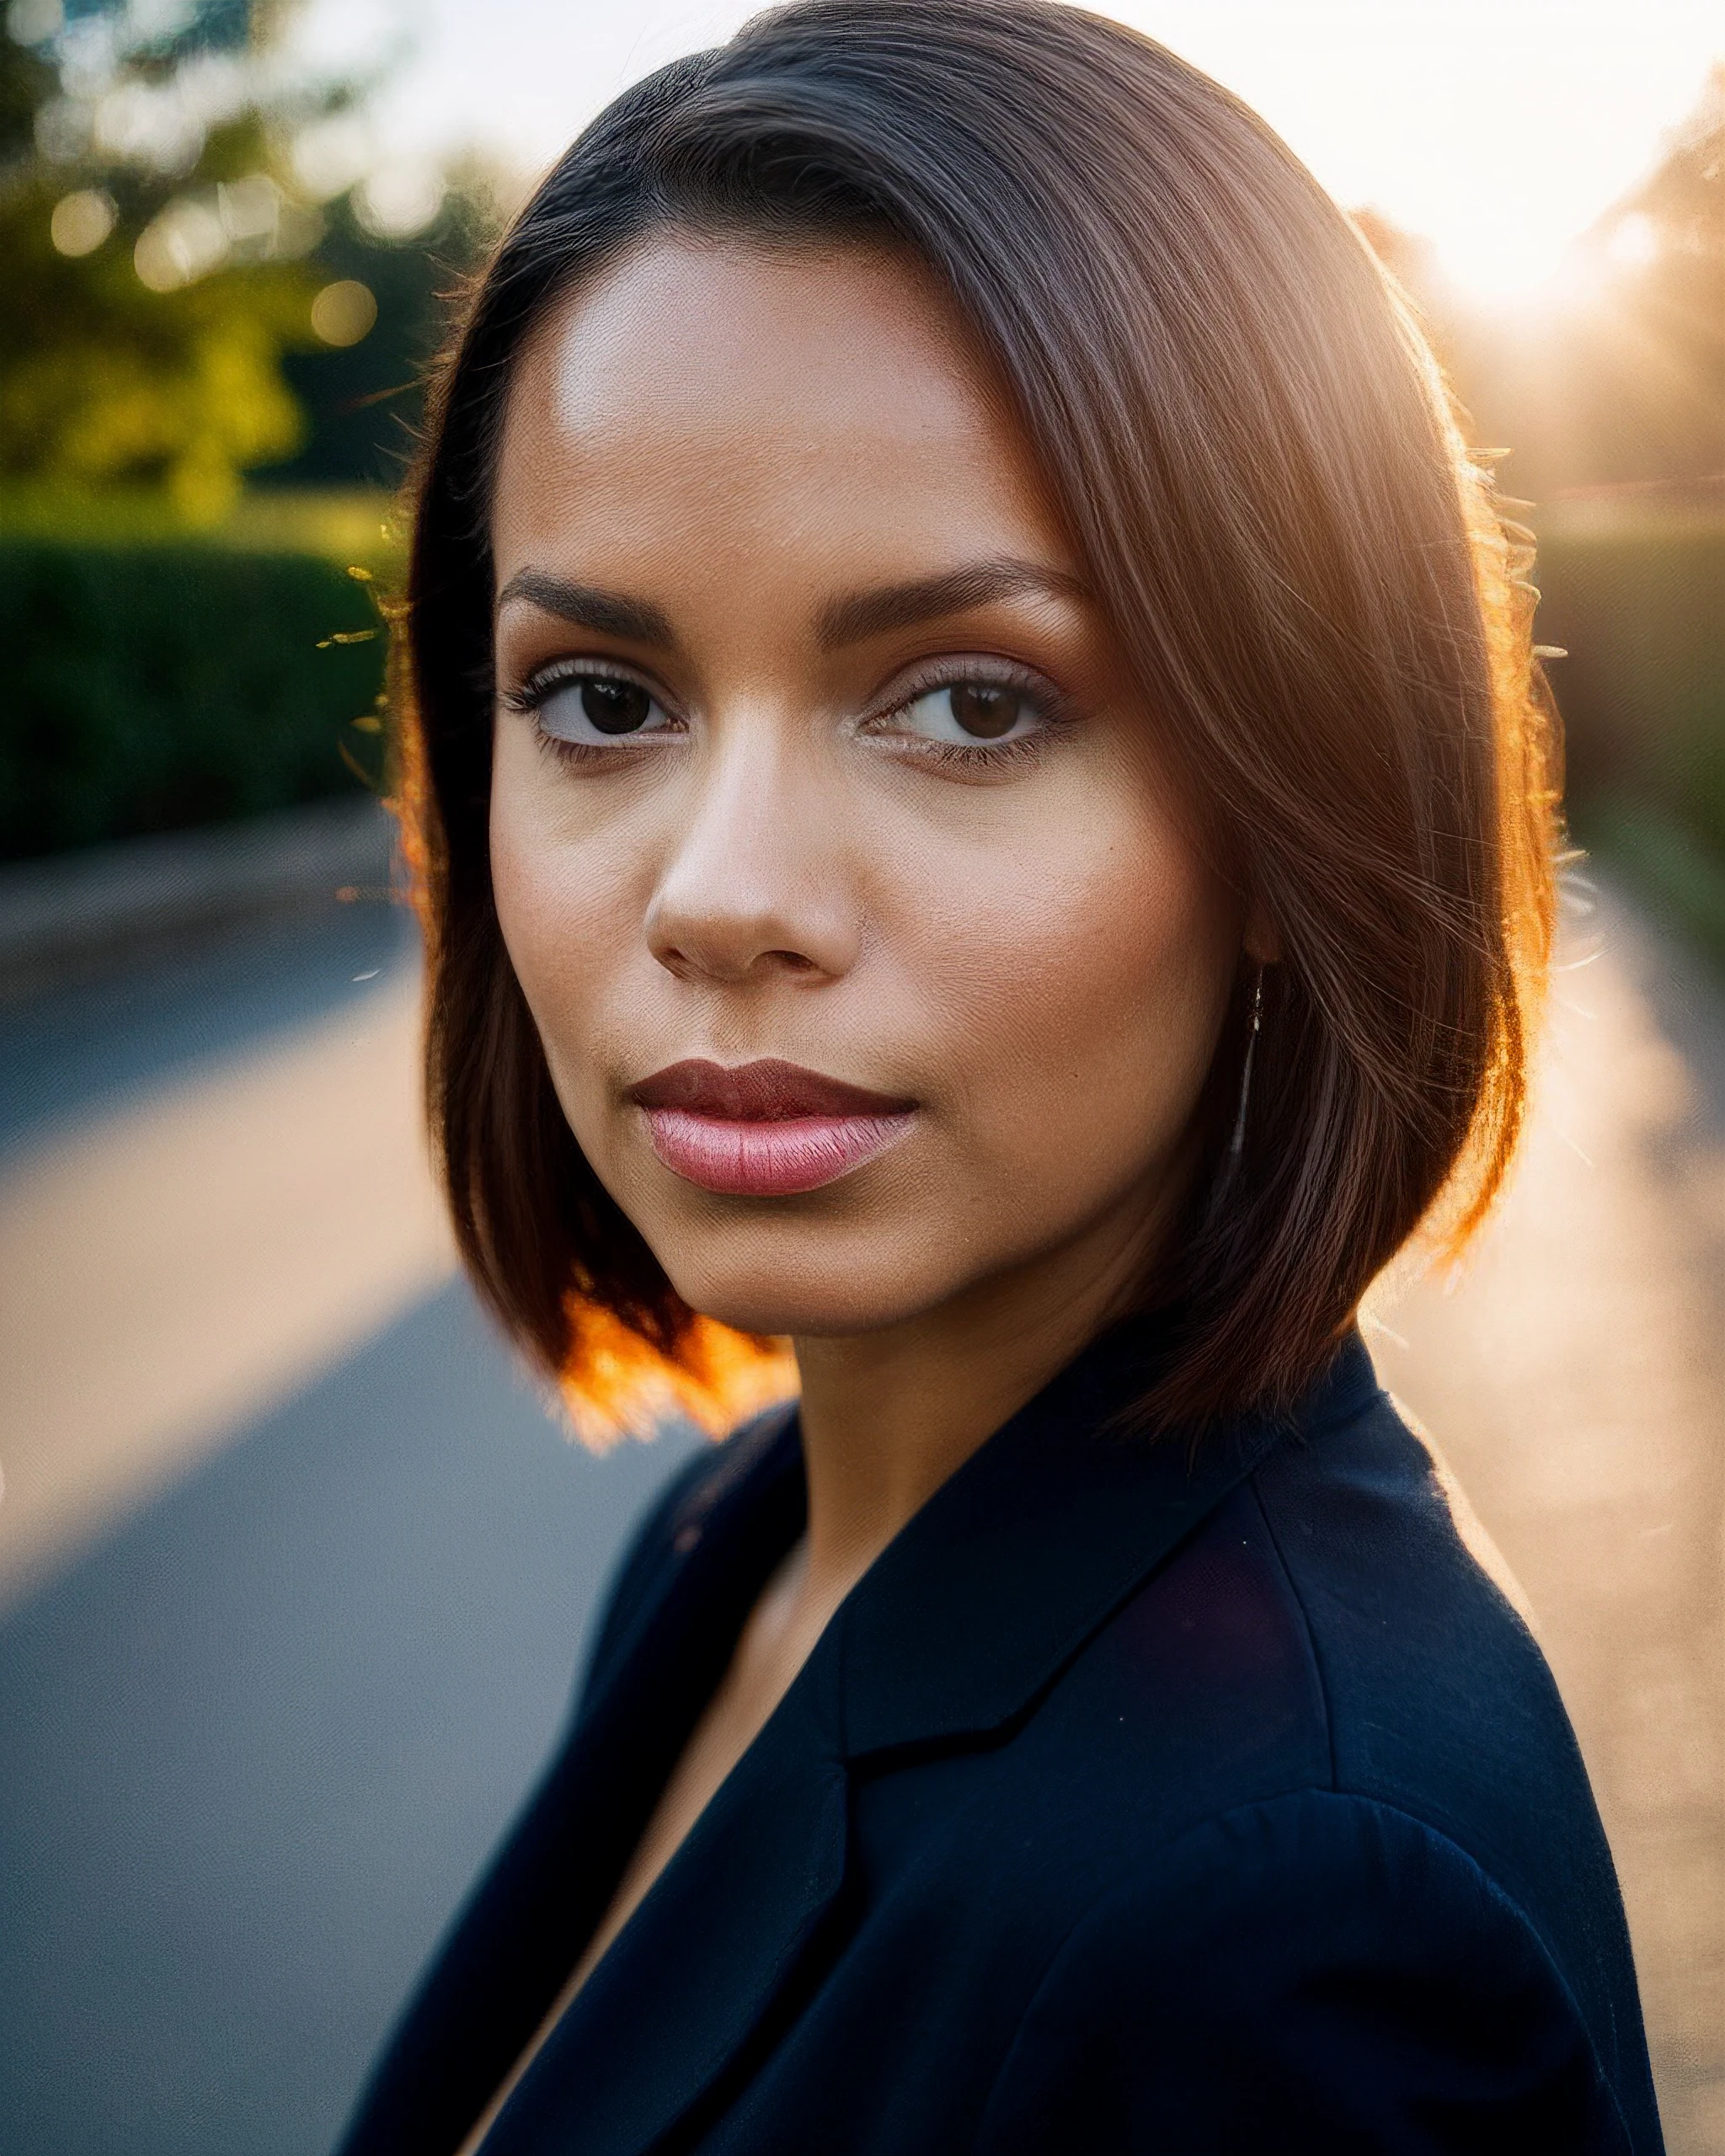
x,y
34,22
184,242
398,200
82,221
344,312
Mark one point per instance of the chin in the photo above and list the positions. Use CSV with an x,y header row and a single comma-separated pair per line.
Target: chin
x,y
830,1292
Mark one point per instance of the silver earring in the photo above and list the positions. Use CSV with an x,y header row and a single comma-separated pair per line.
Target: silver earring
x,y
1237,1142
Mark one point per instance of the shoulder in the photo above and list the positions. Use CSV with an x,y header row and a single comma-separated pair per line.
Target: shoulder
x,y
1321,1740
1317,1971
1441,1713
1325,1625
1436,1697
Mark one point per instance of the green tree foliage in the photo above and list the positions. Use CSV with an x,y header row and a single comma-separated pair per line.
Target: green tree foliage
x,y
164,255
1608,390
362,401
148,352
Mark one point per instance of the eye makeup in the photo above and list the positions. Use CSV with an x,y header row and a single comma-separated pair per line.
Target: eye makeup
x,y
973,712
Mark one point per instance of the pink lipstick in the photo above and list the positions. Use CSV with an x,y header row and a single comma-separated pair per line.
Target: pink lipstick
x,y
766,1130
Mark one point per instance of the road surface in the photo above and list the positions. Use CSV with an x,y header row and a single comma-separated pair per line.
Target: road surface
x,y
294,1567
1574,1379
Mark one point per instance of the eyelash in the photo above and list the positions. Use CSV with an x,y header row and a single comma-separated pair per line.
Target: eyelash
x,y
1050,705
543,683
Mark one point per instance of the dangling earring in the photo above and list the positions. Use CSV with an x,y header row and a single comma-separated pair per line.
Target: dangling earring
x,y
1237,1142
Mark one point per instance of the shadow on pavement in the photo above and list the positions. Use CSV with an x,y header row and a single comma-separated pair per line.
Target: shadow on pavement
x,y
96,1044
258,1743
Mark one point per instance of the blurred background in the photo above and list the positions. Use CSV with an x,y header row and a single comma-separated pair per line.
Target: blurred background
x,y
294,1566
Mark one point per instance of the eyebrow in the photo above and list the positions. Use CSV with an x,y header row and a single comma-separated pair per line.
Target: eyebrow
x,y
843,622
611,613
931,598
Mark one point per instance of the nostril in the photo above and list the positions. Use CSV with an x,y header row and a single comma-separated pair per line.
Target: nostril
x,y
676,960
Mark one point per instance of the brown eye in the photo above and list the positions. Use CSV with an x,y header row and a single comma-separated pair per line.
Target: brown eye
x,y
589,710
974,715
615,706
989,713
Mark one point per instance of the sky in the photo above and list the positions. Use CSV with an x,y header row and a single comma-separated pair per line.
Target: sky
x,y
1499,129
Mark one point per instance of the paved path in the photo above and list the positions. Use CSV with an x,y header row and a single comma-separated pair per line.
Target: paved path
x,y
1574,1379
212,1183
259,1728
295,1568
255,1223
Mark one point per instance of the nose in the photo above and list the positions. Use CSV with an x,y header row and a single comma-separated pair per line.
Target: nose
x,y
754,888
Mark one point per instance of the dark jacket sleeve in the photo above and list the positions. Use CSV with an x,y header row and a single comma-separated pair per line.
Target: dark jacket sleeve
x,y
1318,1972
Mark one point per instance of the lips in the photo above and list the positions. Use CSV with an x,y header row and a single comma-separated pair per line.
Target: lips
x,y
766,1130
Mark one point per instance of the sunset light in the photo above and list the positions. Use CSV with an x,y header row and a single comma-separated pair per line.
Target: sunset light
x,y
1495,257
800,801
1500,132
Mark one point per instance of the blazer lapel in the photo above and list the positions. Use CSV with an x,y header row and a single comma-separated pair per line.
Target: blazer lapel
x,y
526,1924
954,1633
698,1965
963,1622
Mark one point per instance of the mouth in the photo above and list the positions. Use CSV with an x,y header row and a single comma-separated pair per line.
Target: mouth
x,y
766,1130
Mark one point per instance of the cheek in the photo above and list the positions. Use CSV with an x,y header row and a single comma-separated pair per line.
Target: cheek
x,y
567,897
1085,997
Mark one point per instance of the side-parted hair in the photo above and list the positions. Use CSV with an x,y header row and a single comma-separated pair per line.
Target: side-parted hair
x,y
1252,450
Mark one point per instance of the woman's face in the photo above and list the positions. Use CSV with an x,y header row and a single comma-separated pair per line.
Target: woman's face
x,y
872,965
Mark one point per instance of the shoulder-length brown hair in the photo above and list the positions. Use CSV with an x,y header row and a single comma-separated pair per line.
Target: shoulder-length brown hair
x,y
1254,453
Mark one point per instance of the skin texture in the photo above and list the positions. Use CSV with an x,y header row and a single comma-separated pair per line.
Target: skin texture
x,y
791,861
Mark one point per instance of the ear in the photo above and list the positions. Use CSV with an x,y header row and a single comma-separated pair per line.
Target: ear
x,y
1263,945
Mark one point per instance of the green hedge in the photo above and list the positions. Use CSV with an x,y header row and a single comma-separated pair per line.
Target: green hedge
x,y
1683,881
152,687
1640,610
154,681
1638,604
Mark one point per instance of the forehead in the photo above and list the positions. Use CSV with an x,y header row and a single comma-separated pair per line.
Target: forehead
x,y
735,381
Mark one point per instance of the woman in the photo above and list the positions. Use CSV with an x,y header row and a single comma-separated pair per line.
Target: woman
x,y
984,808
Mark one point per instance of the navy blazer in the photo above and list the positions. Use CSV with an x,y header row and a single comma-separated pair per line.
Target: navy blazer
x,y
1136,1799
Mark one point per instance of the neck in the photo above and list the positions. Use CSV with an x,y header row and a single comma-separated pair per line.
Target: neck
x,y
887,1415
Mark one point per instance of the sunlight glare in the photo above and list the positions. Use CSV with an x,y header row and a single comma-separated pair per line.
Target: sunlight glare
x,y
1634,242
1493,257
1502,130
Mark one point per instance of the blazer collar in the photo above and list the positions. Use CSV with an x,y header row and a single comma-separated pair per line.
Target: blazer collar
x,y
956,1630
975,1607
